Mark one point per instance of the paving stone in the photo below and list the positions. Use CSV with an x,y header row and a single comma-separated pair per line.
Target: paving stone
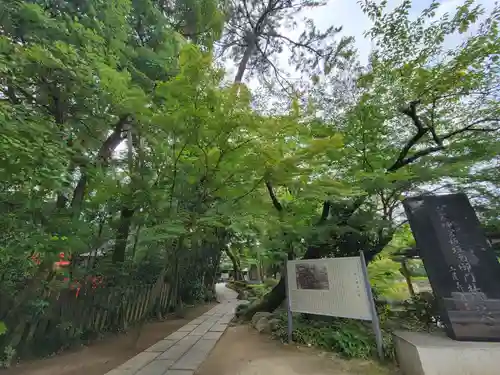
x,y
195,357
218,328
176,351
139,361
188,327
177,335
161,346
190,361
116,371
184,351
212,335
203,328
205,344
197,321
226,318
157,367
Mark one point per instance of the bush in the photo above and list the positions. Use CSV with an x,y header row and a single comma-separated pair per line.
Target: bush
x,y
270,283
257,290
356,339
421,309
349,338
237,286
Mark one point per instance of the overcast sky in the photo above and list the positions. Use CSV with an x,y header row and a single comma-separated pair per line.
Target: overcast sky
x,y
348,14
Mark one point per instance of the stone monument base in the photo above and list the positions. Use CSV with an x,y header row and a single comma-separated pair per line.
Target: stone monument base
x,y
436,354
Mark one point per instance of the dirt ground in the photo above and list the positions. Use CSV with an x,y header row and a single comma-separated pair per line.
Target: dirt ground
x,y
103,356
243,351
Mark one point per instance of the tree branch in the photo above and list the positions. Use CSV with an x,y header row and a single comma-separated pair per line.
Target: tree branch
x,y
103,156
294,43
470,128
411,112
276,202
325,211
236,200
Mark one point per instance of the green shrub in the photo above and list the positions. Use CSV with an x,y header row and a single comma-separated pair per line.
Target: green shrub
x,y
258,290
7,357
422,310
237,286
270,283
349,338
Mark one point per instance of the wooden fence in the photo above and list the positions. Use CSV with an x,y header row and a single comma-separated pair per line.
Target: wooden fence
x,y
66,318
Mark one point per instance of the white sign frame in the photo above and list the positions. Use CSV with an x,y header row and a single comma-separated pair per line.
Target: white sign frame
x,y
362,304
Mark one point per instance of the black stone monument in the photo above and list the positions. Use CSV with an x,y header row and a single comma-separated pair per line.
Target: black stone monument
x,y
463,270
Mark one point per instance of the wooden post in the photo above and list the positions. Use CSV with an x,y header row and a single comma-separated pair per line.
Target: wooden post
x,y
406,273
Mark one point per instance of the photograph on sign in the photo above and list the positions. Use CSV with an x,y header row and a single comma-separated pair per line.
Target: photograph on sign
x,y
311,276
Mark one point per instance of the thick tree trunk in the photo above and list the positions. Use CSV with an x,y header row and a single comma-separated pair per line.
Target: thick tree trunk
x,y
79,192
238,275
122,234
103,156
244,62
276,296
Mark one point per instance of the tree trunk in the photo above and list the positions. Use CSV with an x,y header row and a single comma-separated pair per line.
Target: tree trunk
x,y
79,192
236,265
104,154
122,234
276,296
244,62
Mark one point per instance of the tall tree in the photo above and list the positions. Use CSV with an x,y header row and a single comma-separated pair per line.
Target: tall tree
x,y
424,115
255,35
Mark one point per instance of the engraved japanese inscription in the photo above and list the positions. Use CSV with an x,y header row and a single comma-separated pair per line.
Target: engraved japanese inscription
x,y
462,268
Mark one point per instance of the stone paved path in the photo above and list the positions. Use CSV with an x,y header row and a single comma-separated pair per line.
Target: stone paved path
x,y
183,351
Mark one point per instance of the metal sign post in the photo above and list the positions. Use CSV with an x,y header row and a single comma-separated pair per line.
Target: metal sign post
x,y
288,306
371,301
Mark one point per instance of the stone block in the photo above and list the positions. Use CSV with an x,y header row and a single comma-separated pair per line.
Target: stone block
x,y
119,372
218,328
157,367
136,363
259,315
205,345
436,354
188,327
197,321
195,357
177,335
226,318
203,328
177,351
179,372
161,346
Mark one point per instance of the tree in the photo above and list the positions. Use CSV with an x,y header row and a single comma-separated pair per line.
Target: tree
x,y
79,79
423,115
253,38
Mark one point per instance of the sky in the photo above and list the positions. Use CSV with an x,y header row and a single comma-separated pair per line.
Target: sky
x,y
348,14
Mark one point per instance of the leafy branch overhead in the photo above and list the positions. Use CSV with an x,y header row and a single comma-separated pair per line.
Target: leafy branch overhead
x,y
125,146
